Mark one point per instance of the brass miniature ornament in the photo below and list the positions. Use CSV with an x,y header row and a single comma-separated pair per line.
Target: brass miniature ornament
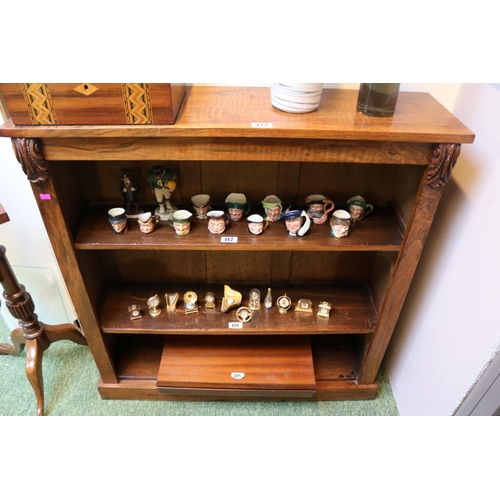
x,y
135,311
231,299
304,306
190,305
284,303
254,301
268,300
209,300
324,310
153,303
171,300
244,314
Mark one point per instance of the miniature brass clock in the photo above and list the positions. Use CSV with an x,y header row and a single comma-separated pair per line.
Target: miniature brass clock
x,y
284,303
171,299
324,310
135,311
244,314
304,306
153,303
209,300
231,298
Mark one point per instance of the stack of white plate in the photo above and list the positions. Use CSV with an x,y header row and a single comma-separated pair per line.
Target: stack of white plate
x,y
296,97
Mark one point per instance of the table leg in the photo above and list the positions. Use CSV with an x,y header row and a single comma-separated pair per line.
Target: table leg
x,y
33,333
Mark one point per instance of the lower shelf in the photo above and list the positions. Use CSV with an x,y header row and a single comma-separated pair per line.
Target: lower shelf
x,y
336,360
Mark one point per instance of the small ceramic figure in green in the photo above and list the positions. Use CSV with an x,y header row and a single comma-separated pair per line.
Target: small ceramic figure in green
x,y
163,182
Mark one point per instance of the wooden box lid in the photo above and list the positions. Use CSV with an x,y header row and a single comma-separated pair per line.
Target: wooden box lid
x,y
238,363
93,103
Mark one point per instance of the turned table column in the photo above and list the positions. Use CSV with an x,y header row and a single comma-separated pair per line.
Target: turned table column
x,y
31,332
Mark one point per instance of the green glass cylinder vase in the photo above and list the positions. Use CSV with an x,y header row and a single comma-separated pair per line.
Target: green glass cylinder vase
x,y
378,99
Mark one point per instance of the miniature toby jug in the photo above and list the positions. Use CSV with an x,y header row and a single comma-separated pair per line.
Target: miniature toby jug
x,y
257,224
319,207
201,205
181,222
237,206
341,223
217,221
118,220
147,222
273,207
297,222
358,207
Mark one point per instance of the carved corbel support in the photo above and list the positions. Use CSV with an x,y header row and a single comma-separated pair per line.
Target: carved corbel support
x,y
29,154
441,165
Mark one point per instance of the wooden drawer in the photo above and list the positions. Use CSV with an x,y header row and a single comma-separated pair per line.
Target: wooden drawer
x,y
254,366
93,103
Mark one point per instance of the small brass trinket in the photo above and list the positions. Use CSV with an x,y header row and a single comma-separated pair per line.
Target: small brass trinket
x,y
153,303
209,300
254,301
244,314
231,298
304,305
190,305
171,299
324,310
284,303
135,311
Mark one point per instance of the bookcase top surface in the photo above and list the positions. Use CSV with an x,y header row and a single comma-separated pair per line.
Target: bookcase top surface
x,y
247,112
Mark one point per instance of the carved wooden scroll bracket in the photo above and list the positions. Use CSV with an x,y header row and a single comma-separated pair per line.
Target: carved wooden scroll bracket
x,y
441,165
29,154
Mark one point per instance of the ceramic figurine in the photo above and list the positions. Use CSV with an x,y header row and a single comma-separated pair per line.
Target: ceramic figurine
x,y
118,220
163,183
237,206
181,222
341,223
274,207
147,222
297,222
201,205
257,224
129,188
217,221
358,207
319,207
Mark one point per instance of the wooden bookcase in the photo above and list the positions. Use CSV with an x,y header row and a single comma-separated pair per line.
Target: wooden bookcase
x,y
217,146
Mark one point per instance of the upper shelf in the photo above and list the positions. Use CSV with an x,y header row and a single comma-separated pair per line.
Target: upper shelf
x,y
229,112
378,232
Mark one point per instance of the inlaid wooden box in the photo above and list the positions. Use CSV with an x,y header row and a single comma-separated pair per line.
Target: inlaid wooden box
x,y
93,103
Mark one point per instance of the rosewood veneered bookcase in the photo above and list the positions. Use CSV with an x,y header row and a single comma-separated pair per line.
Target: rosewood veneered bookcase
x,y
227,140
